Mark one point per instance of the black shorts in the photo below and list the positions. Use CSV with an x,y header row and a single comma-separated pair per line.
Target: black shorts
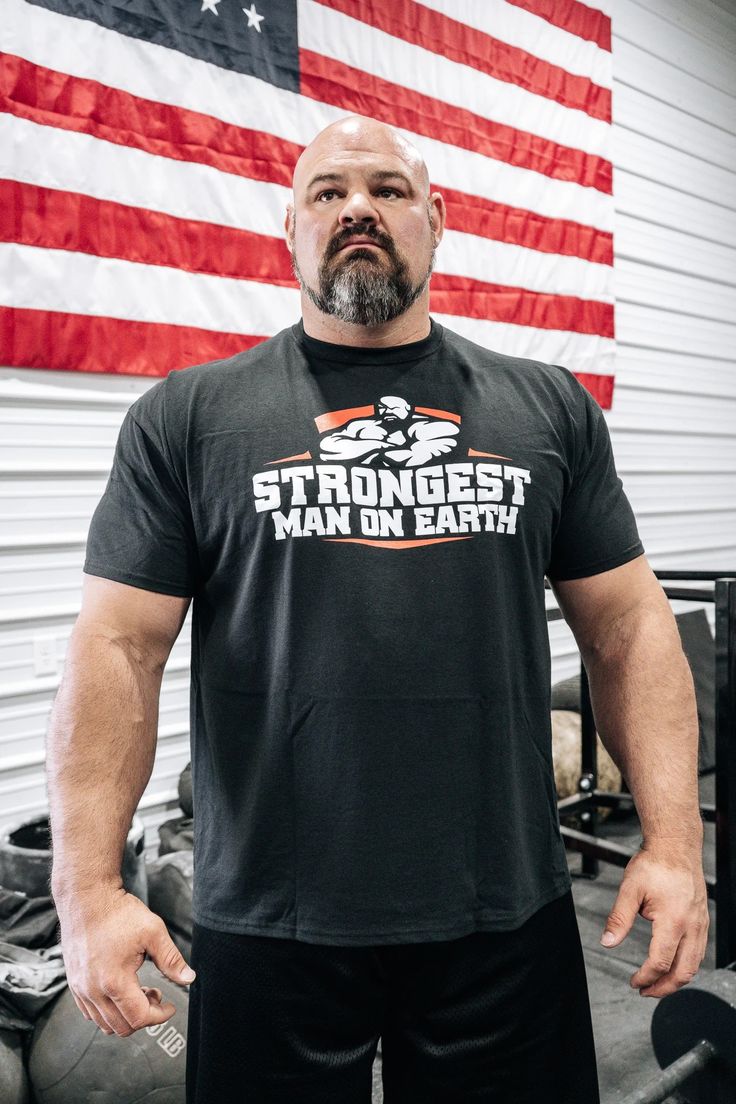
x,y
502,1017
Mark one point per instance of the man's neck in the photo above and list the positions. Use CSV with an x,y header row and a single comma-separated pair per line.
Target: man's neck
x,y
412,325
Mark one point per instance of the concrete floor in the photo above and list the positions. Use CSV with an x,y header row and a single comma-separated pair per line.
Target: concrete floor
x,y
621,1017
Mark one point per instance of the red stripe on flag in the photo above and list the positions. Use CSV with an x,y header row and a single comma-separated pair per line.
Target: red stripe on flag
x,y
75,103
600,387
517,226
53,219
88,343
470,298
54,99
572,16
50,219
459,42
330,81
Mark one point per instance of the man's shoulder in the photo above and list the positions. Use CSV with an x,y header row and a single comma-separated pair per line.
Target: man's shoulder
x,y
532,370
238,363
213,383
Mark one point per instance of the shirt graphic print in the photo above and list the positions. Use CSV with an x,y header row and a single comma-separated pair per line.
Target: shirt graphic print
x,y
374,480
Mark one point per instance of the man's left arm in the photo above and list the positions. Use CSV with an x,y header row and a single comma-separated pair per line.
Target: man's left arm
x,y
645,712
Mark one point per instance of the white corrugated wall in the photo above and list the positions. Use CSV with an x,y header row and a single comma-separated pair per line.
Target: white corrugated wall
x,y
673,421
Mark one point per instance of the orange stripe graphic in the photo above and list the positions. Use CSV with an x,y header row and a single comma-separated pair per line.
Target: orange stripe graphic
x,y
393,543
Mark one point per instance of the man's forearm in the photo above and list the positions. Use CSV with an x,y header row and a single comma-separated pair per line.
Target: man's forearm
x,y
645,710
100,749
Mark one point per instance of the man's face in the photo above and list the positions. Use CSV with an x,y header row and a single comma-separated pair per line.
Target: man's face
x,y
343,195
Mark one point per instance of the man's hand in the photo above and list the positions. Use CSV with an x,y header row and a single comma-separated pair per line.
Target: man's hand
x,y
664,882
105,937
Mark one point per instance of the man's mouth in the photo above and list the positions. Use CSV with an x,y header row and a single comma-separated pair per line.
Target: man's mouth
x,y
358,242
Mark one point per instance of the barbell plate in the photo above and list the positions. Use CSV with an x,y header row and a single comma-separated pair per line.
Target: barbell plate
x,y
703,1009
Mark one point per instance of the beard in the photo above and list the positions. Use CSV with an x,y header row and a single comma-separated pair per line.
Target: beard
x,y
360,288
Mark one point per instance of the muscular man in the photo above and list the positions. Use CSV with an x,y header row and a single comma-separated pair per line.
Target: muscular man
x,y
396,437
376,840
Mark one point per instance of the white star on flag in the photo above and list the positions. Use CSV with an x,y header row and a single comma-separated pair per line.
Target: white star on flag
x,y
210,5
254,19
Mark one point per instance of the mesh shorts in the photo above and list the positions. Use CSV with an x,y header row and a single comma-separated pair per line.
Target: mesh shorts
x,y
502,1017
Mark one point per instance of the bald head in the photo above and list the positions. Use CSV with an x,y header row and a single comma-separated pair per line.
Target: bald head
x,y
363,229
359,133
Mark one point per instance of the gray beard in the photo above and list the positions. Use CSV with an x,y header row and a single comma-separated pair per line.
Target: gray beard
x,y
364,293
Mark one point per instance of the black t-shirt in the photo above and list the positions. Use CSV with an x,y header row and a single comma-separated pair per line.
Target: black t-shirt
x,y
365,534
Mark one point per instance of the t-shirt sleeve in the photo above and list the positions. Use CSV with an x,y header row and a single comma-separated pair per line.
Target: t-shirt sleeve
x,y
597,530
141,531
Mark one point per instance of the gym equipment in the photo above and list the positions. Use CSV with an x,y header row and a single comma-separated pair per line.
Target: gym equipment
x,y
170,895
14,1087
72,1060
694,1038
25,858
185,791
176,835
566,739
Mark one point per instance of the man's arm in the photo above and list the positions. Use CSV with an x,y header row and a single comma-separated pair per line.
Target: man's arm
x,y
100,749
642,693
645,712
101,739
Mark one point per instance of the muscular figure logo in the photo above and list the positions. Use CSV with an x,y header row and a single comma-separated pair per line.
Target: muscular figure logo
x,y
395,438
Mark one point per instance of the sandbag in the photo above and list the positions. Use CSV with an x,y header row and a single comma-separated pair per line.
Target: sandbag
x,y
176,835
14,1085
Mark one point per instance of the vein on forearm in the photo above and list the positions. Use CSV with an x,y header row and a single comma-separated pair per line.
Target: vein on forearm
x,y
644,706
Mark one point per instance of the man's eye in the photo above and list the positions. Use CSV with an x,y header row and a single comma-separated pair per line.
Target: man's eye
x,y
393,190
328,191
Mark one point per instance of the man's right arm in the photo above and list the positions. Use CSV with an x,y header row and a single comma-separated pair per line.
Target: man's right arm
x,y
100,750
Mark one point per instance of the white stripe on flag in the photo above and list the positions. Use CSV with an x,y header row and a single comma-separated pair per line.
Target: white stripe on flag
x,y
517,27
77,162
53,279
576,352
499,263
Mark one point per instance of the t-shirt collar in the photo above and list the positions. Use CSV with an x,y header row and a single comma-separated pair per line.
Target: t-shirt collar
x,y
354,354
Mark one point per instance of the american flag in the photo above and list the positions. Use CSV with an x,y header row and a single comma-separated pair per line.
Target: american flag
x,y
147,150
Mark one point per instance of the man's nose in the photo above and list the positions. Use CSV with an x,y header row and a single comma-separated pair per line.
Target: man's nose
x,y
358,208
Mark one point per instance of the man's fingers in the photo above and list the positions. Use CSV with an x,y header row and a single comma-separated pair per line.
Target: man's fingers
x,y
663,947
685,965
133,1009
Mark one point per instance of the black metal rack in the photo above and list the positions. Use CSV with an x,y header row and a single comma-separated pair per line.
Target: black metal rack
x,y
722,887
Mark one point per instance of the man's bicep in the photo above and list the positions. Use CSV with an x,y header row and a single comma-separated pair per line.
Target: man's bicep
x,y
146,622
592,604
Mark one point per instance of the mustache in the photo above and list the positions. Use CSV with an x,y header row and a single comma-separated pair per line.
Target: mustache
x,y
358,232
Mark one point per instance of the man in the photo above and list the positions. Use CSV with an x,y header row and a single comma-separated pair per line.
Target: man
x,y
364,508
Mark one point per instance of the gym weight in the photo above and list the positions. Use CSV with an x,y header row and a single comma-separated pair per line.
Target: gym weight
x,y
694,1038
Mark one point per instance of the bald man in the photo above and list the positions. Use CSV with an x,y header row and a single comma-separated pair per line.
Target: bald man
x,y
363,509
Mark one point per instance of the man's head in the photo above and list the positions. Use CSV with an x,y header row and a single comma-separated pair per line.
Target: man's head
x,y
392,408
360,181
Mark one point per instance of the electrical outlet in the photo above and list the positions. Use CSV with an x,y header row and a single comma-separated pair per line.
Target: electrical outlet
x,y
44,655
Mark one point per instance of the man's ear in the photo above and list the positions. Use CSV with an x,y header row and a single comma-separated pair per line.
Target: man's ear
x,y
438,215
288,220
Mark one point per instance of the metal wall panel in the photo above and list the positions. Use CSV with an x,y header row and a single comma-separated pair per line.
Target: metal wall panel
x,y
673,421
